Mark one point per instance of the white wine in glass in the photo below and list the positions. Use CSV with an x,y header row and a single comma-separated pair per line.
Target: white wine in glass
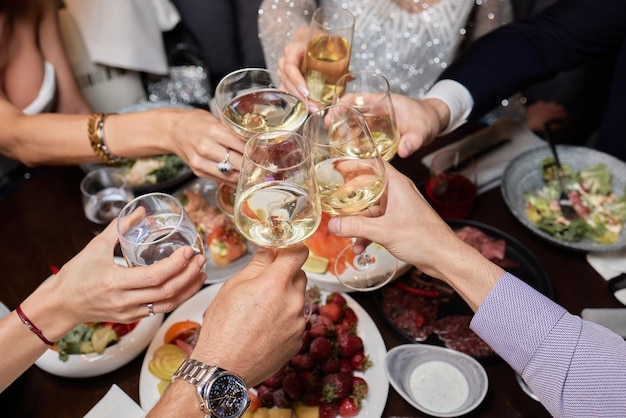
x,y
250,102
328,51
351,178
277,201
152,226
370,94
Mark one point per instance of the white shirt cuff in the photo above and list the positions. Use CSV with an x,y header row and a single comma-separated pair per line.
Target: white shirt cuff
x,y
458,99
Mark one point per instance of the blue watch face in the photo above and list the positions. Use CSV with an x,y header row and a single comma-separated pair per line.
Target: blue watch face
x,y
227,396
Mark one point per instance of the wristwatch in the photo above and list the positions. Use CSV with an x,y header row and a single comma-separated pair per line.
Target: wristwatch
x,y
223,394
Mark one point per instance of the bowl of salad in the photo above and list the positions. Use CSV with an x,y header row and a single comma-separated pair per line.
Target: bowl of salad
x,y
596,183
95,348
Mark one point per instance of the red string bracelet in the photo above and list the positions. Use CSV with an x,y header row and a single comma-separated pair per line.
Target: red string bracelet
x,y
31,326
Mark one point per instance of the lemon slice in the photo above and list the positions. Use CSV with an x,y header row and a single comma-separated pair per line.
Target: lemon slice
x,y
315,264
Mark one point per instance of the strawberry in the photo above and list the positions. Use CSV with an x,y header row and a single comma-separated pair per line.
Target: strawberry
x,y
331,365
349,316
360,361
336,386
345,365
328,410
306,342
275,380
280,399
349,407
359,388
321,327
310,381
321,349
337,298
349,344
302,362
266,395
332,311
292,385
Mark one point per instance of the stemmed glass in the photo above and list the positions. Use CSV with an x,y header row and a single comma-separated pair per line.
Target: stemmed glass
x,y
277,202
152,226
351,178
250,102
369,93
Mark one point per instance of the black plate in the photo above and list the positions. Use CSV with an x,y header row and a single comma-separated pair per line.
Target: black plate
x,y
529,270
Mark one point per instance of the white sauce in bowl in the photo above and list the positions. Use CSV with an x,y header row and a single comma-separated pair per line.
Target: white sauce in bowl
x,y
438,386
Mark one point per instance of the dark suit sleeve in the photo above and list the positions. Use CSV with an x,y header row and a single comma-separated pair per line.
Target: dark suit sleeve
x,y
560,38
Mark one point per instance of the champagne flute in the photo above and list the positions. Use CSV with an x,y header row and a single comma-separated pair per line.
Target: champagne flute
x,y
277,202
351,178
250,102
328,51
152,226
369,93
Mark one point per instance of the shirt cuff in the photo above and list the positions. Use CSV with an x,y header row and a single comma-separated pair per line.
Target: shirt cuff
x,y
458,99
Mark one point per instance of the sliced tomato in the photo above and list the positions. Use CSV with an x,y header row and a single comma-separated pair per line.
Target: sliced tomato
x,y
123,329
180,331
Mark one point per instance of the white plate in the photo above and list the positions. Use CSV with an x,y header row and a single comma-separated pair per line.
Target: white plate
x,y
523,176
402,360
329,283
216,273
194,309
114,357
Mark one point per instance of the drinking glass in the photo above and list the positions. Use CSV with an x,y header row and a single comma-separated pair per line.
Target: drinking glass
x,y
104,193
250,102
277,202
328,51
369,93
152,226
351,178
451,187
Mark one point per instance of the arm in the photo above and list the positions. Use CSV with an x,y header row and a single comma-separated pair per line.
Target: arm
x,y
70,98
91,287
573,366
262,331
196,136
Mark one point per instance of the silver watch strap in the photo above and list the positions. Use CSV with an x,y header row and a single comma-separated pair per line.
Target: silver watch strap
x,y
195,372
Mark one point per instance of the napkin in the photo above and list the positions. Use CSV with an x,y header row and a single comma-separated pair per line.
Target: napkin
x,y
610,265
491,166
125,33
4,311
612,318
116,403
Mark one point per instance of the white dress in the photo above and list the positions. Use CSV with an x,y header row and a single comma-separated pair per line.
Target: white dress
x,y
411,49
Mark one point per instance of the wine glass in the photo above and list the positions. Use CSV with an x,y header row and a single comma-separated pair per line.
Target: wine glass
x,y
277,201
250,102
152,226
351,178
369,93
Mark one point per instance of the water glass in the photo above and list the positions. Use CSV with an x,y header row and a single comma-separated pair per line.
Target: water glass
x,y
152,226
104,193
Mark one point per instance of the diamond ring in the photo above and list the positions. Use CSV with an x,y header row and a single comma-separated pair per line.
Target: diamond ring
x,y
225,166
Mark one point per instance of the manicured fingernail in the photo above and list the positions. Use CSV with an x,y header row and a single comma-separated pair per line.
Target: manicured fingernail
x,y
201,261
188,253
406,146
304,91
334,225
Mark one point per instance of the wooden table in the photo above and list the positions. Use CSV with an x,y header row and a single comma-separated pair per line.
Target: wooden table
x,y
43,224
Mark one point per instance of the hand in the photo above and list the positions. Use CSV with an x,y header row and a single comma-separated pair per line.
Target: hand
x,y
413,232
290,66
92,287
202,140
255,324
419,121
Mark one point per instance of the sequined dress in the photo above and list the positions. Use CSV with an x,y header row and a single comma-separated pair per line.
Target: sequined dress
x,y
409,45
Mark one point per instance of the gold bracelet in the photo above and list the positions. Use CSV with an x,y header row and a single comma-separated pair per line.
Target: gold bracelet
x,y
95,130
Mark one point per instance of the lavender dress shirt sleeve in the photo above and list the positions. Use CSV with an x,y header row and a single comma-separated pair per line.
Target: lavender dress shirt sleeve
x,y
575,367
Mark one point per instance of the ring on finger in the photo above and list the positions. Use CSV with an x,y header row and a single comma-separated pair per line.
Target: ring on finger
x,y
150,309
225,166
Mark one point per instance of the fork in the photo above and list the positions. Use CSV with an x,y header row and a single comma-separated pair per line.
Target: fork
x,y
567,207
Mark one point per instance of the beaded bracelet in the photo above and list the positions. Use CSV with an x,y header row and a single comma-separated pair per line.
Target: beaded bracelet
x,y
31,326
95,130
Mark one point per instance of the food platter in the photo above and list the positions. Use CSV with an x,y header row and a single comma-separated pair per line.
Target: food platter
x,y
526,267
328,282
216,273
523,176
194,309
114,357
184,173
